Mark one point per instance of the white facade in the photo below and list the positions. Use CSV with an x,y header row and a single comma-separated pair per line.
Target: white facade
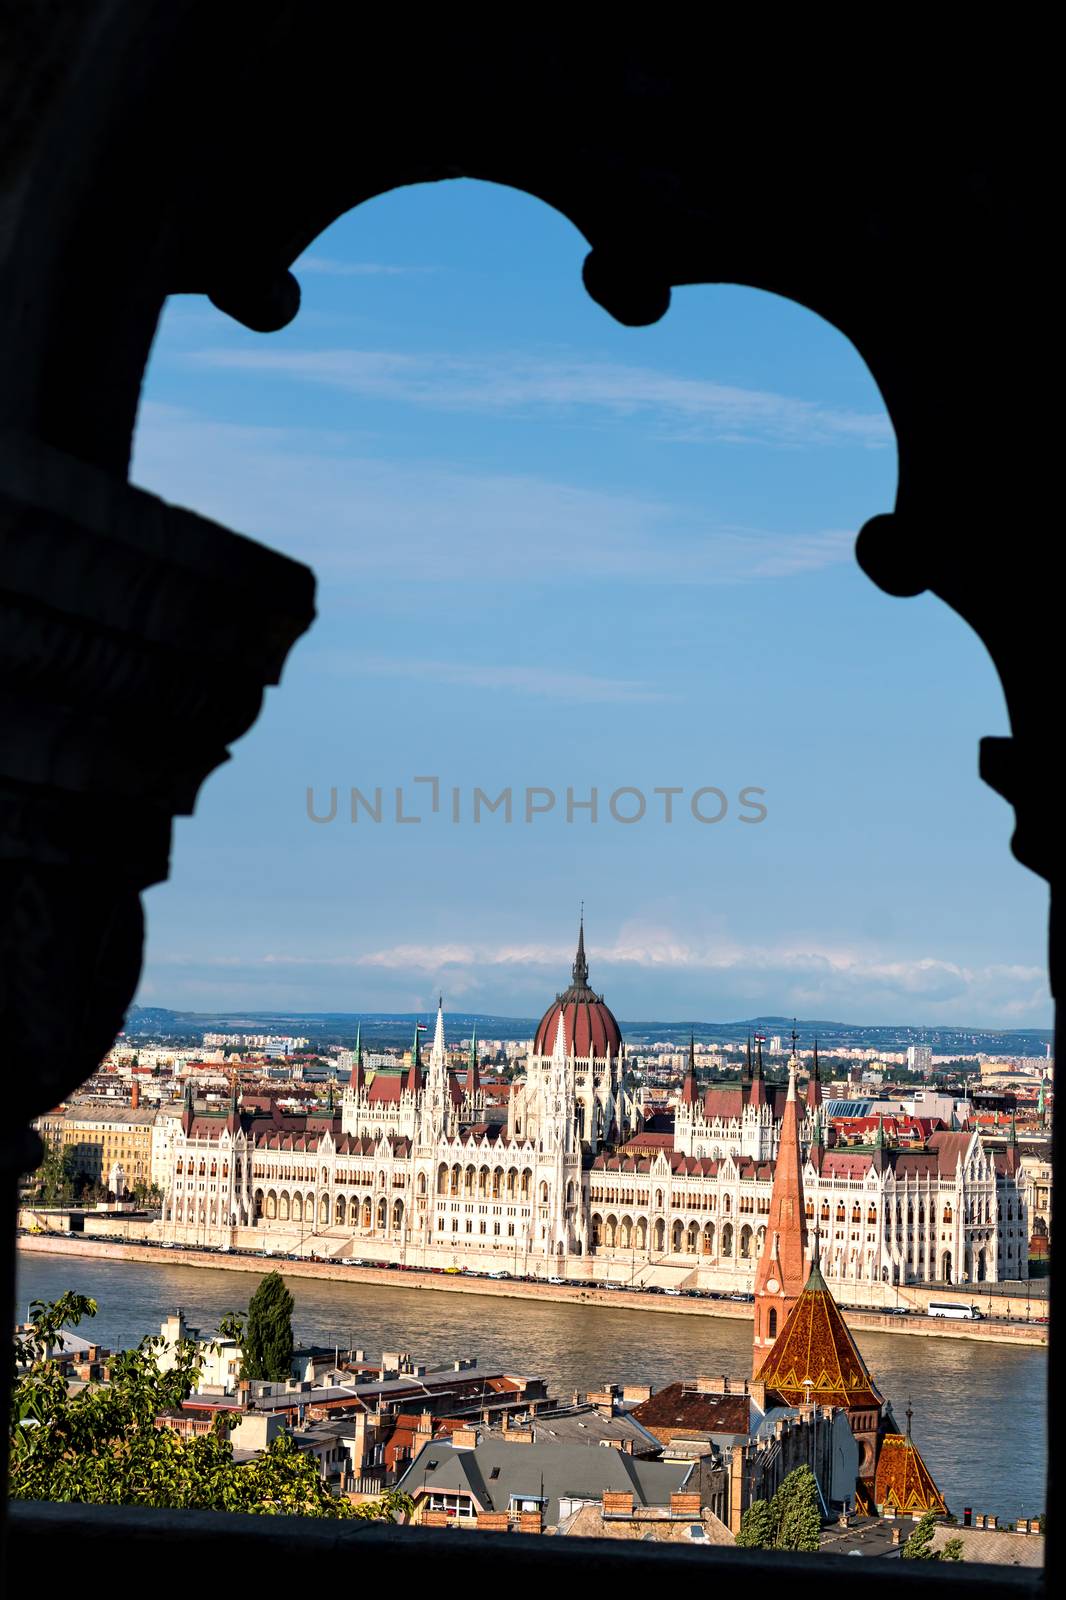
x,y
410,1170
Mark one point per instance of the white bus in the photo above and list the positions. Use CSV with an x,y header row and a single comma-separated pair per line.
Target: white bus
x,y
951,1308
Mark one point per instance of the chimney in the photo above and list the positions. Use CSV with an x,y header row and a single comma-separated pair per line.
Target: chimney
x,y
135,1095
897,1535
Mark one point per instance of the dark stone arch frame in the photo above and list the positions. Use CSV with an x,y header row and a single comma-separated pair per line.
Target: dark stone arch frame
x,y
160,148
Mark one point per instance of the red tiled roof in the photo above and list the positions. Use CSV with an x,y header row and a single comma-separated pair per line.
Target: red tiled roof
x,y
815,1344
679,1409
904,1482
385,1087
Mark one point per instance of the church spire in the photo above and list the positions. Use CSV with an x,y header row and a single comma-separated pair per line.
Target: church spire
x,y
357,1078
814,1083
745,1071
817,1143
580,969
757,1096
414,1075
782,1271
690,1093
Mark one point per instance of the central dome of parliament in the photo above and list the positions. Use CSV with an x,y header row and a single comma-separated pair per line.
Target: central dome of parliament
x,y
588,1022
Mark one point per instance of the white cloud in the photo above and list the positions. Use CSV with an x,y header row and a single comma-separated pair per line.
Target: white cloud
x,y
540,682
656,975
518,382
326,499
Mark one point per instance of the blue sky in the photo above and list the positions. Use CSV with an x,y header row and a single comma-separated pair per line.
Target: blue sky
x,y
557,553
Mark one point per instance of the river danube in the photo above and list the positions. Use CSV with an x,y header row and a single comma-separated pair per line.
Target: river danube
x,y
979,1409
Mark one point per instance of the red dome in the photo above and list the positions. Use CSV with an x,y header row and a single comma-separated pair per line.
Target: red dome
x,y
588,1022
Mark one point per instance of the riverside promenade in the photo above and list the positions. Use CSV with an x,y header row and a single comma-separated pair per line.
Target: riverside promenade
x,y
984,1331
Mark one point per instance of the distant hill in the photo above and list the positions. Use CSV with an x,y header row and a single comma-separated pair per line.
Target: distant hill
x,y
392,1028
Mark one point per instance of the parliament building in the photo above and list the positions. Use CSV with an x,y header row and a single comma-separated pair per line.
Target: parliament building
x,y
414,1167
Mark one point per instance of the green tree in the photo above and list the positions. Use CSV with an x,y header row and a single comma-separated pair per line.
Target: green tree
x,y
797,1513
758,1527
919,1547
102,1446
55,1181
268,1332
790,1521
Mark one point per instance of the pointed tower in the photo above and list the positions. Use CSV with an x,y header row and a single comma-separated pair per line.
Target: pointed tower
x,y
413,1082
814,1083
757,1095
580,970
358,1077
690,1092
1012,1155
188,1109
782,1270
817,1151
745,1071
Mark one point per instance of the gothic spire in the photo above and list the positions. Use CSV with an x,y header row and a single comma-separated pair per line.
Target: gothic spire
x,y
580,969
188,1108
689,1092
414,1075
782,1270
745,1071
437,1055
559,1050
814,1082
357,1078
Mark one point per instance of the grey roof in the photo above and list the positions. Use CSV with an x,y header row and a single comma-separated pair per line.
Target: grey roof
x,y
105,1113
586,1426
496,1470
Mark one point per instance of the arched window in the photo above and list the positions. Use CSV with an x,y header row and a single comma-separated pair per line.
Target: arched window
x,y
771,1323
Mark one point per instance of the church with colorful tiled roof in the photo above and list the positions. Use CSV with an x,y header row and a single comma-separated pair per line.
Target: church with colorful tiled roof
x,y
417,1166
804,1353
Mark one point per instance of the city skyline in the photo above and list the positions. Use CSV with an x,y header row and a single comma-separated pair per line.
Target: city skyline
x,y
559,553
